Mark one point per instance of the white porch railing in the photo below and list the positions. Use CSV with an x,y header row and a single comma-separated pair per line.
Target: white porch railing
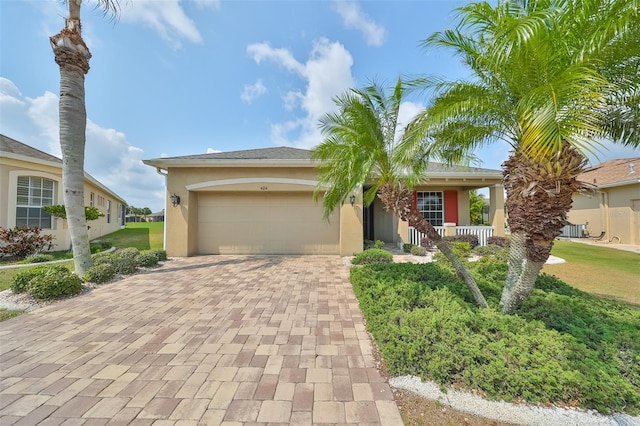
x,y
483,232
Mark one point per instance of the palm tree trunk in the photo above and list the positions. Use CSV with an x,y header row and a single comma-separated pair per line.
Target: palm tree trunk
x,y
72,55
539,196
400,201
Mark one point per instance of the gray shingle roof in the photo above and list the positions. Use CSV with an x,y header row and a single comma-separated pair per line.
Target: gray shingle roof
x,y
288,153
10,145
279,153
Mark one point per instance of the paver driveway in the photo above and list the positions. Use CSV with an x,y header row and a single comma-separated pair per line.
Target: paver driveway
x,y
205,340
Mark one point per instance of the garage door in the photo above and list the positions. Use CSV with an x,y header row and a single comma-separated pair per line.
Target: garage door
x,y
264,223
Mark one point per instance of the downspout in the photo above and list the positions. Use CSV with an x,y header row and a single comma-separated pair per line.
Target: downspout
x,y
605,213
166,210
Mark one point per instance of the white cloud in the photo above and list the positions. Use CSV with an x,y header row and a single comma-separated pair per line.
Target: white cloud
x,y
354,17
109,156
213,151
406,113
210,4
252,91
326,73
263,51
166,17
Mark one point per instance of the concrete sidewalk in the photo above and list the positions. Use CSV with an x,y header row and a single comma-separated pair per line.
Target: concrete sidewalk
x,y
205,340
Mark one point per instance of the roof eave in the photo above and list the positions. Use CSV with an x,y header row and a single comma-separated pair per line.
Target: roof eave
x,y
164,163
620,183
57,165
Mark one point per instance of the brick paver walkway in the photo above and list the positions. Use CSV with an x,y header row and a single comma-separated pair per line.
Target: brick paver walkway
x,y
207,340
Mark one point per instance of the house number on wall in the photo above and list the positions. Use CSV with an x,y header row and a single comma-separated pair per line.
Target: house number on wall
x,y
263,188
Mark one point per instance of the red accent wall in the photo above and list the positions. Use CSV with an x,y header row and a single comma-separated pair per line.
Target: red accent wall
x,y
451,206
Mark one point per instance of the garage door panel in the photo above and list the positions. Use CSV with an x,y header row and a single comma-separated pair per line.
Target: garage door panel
x,y
259,223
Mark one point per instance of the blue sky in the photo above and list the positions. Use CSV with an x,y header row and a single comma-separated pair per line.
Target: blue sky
x,y
180,77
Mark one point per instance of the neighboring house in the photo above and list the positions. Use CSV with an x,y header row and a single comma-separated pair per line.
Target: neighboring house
x,y
156,217
31,179
261,202
614,208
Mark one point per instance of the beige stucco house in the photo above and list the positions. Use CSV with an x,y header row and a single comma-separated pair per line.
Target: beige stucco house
x,y
261,202
31,179
614,208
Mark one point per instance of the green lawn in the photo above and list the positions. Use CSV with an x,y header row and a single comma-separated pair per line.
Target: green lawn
x,y
597,270
143,236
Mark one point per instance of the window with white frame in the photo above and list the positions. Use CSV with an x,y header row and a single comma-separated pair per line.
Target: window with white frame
x,y
91,199
431,205
108,211
33,193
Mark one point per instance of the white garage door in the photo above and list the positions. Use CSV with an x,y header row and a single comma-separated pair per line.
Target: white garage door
x,y
265,223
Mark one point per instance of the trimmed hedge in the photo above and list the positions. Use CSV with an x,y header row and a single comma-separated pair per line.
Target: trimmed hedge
x,y
146,259
54,282
100,273
373,255
21,280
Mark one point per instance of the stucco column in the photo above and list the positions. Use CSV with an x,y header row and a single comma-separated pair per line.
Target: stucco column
x,y
351,231
464,208
403,231
177,223
496,209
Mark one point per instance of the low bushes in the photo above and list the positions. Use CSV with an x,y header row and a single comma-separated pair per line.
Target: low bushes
x,y
406,247
38,258
100,273
122,262
418,251
563,346
54,282
146,260
373,255
47,282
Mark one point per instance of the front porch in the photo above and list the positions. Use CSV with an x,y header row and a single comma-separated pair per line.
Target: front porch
x,y
447,207
483,233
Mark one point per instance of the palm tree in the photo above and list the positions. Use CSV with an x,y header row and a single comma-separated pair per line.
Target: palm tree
x,y
551,78
361,148
72,56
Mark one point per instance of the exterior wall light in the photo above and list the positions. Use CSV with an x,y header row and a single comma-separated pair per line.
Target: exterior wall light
x,y
175,200
352,199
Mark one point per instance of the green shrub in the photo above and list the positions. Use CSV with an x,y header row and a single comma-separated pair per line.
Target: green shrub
x,y
406,247
488,250
378,244
100,273
123,260
418,251
146,259
372,256
21,280
160,254
100,246
471,239
56,281
563,346
461,249
38,258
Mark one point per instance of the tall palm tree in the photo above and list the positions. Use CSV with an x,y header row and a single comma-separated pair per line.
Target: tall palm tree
x,y
72,56
552,78
361,147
